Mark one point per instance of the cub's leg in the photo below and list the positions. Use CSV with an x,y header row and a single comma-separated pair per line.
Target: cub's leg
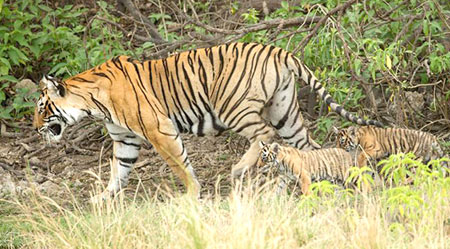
x,y
126,151
169,145
305,181
285,116
283,182
370,150
255,129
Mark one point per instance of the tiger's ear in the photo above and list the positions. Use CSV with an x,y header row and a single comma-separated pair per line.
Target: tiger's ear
x,y
335,130
351,130
55,89
261,144
275,147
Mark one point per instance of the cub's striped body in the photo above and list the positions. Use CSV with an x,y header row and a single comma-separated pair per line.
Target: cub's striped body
x,y
305,166
377,143
248,88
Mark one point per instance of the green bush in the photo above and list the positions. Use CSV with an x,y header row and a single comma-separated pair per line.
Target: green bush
x,y
38,40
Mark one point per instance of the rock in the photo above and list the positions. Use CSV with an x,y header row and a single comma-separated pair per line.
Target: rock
x,y
27,83
416,100
34,161
7,186
24,188
78,184
50,188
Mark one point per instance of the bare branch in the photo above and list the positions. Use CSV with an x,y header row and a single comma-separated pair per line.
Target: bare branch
x,y
322,20
275,23
156,37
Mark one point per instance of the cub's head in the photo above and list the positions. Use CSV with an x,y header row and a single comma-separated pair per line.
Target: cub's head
x,y
55,109
346,138
267,156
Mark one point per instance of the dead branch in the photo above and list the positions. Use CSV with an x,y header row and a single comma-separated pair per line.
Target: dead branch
x,y
152,30
322,20
127,33
268,24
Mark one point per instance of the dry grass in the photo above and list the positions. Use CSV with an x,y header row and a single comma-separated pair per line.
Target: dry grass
x,y
411,216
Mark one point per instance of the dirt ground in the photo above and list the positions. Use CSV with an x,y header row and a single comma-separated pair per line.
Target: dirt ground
x,y
79,164
76,164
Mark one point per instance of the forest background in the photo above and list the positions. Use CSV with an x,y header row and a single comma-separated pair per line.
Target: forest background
x,y
384,60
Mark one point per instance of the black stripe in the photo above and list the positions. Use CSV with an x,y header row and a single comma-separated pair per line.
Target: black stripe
x,y
129,144
127,159
294,134
264,70
247,125
125,166
102,108
78,78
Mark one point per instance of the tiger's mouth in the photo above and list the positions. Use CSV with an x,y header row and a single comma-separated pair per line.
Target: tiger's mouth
x,y
52,132
55,129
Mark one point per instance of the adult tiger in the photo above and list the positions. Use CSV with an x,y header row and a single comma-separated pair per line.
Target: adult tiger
x,y
246,87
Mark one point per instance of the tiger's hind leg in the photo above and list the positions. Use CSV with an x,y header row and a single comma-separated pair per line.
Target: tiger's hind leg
x,y
285,116
126,151
251,125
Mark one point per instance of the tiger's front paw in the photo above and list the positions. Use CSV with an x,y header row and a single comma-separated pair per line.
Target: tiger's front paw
x,y
238,173
99,199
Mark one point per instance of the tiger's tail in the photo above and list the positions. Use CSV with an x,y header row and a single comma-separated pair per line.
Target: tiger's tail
x,y
301,70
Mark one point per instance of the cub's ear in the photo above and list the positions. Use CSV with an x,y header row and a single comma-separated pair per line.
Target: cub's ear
x,y
55,89
351,130
335,130
275,147
261,144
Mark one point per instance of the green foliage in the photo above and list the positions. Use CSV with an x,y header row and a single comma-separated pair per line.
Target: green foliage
x,y
410,183
19,105
402,168
361,177
37,37
397,168
37,40
403,201
361,47
323,188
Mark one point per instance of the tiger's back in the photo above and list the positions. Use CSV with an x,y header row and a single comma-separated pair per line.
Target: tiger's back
x,y
330,164
323,164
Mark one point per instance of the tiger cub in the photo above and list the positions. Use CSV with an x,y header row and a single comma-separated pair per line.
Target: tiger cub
x,y
377,143
305,166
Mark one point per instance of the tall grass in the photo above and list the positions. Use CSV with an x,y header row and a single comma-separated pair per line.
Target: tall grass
x,y
414,215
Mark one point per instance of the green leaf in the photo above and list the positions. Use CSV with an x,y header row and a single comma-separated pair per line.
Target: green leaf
x,y
357,65
5,62
20,38
36,50
45,7
17,24
388,62
4,70
13,56
8,78
425,27
20,55
5,113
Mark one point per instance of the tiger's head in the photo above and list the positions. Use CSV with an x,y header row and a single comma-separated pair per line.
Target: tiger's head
x,y
267,156
56,109
346,138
